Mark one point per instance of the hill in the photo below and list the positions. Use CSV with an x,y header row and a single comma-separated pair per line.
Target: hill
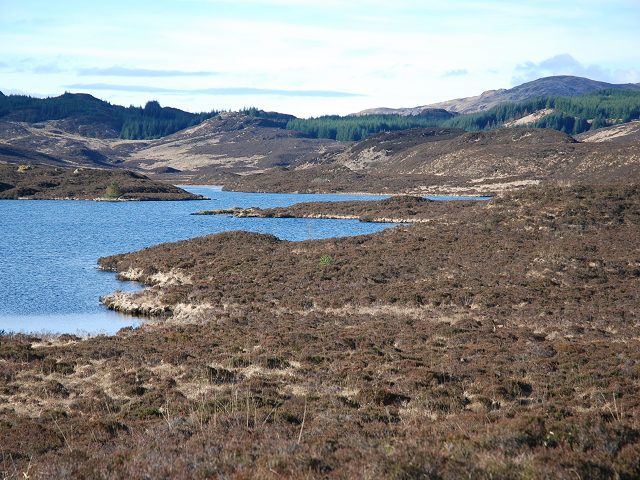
x,y
352,128
556,86
625,133
51,143
569,114
88,116
413,153
230,142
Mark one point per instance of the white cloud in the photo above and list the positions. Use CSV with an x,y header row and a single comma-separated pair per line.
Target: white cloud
x,y
401,53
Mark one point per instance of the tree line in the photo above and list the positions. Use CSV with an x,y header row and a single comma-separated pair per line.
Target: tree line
x,y
571,115
357,128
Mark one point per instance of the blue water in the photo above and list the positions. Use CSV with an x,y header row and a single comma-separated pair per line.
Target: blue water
x,y
48,249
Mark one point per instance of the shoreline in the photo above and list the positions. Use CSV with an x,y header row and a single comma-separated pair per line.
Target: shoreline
x,y
393,209
113,200
363,193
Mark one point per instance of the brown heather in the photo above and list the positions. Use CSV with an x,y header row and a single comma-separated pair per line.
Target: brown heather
x,y
497,340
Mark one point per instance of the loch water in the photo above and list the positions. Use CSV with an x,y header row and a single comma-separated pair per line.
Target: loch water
x,y
49,281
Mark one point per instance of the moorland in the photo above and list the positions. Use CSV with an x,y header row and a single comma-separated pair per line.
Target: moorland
x,y
497,340
485,339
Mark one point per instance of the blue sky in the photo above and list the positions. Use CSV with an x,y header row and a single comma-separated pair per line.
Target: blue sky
x,y
309,57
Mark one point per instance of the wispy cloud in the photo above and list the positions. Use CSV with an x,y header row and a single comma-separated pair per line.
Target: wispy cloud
x,y
456,73
122,88
116,71
271,91
48,68
312,52
213,91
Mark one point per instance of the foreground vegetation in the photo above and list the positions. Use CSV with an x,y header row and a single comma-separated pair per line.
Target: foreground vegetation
x,y
496,340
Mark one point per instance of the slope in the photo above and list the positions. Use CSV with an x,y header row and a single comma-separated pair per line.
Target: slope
x,y
474,162
88,116
229,142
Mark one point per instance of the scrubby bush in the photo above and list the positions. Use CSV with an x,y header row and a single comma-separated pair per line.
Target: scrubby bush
x,y
113,191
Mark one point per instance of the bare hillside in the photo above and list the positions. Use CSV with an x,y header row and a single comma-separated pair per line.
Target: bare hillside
x,y
230,142
489,161
624,133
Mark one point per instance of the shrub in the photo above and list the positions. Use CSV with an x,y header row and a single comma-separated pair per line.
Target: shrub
x,y
113,190
325,260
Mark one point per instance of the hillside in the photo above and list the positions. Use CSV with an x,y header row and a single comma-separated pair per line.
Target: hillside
x,y
413,153
228,142
569,114
47,183
351,127
50,143
83,114
556,86
474,162
625,133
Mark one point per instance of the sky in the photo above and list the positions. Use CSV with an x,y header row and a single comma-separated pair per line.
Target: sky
x,y
309,57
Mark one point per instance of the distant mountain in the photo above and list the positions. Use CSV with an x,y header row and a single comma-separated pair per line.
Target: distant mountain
x,y
570,114
557,86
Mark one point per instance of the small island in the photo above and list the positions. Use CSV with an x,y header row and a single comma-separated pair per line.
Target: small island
x,y
396,209
41,182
